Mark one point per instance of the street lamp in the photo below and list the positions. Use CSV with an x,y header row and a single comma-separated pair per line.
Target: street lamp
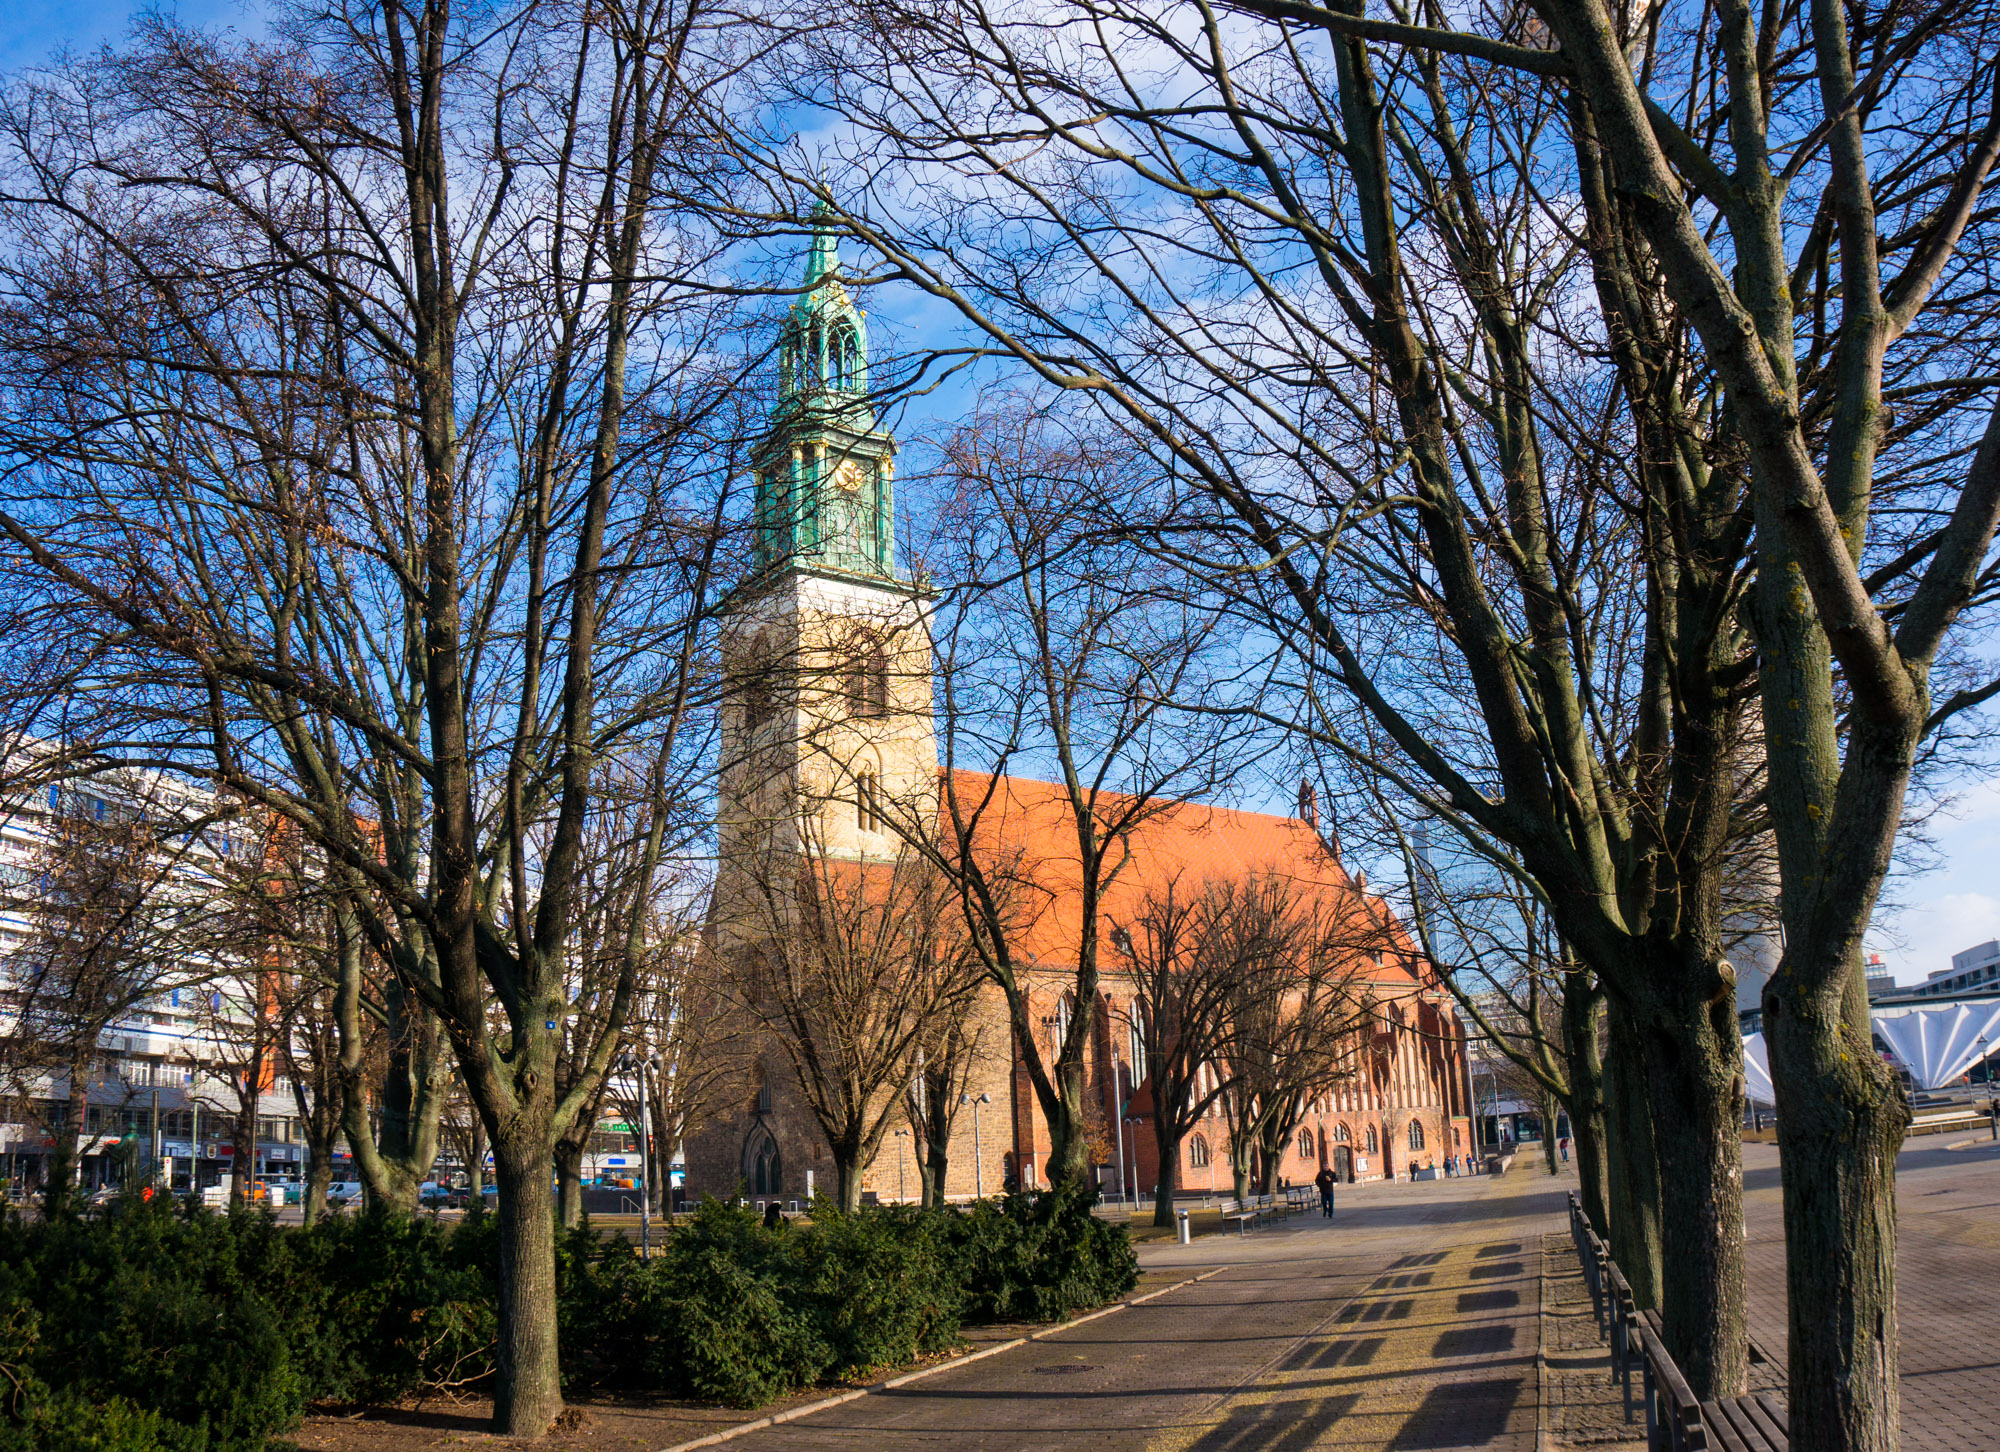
x,y
978,1167
900,1196
1118,1107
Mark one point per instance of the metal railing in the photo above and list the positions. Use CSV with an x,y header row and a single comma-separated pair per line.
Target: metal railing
x,y
1673,1412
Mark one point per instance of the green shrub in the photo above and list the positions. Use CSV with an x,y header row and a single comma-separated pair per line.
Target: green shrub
x,y
199,1332
1040,1257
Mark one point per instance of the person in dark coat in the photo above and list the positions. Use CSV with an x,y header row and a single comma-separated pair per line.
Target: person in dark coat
x,y
1325,1182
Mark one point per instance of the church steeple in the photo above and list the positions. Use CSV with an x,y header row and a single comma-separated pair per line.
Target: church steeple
x,y
824,496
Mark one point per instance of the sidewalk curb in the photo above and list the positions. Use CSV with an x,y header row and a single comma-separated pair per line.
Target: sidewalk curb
x,y
792,1414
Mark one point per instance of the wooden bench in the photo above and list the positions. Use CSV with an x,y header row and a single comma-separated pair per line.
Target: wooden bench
x,y
1300,1199
1676,1420
1244,1212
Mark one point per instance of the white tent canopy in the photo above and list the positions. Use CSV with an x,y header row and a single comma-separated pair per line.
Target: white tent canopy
x,y
1757,1070
1937,1045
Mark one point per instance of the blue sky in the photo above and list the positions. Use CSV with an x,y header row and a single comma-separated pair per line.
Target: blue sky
x,y
1951,907
39,28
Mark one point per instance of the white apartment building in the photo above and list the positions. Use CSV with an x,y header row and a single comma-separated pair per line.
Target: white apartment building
x,y
151,1091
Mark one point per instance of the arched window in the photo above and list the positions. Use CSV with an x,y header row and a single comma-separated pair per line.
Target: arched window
x,y
765,1169
865,682
1305,1144
1198,1152
1340,1134
867,807
1416,1134
844,358
1371,1139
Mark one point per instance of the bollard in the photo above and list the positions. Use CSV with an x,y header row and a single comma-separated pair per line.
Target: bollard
x,y
1181,1230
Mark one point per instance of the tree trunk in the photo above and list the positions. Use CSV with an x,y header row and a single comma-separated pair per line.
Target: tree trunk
x,y
847,1177
1697,1088
934,1177
1068,1161
1631,1161
1841,1121
1169,1145
243,1164
527,1396
475,1171
568,1159
1584,1054
319,1175
1549,1115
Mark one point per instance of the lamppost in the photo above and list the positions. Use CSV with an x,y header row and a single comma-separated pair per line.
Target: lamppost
x,y
900,1196
1983,1065
1118,1110
978,1165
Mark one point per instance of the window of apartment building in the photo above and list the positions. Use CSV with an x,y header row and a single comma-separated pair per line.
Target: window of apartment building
x,y
275,1130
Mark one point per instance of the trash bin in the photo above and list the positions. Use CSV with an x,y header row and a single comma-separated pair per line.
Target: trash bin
x,y
1181,1231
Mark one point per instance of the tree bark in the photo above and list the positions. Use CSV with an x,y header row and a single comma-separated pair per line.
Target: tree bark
x,y
319,1175
1840,1124
1632,1161
1697,1094
1168,1144
1584,1052
527,1395
847,1177
568,1160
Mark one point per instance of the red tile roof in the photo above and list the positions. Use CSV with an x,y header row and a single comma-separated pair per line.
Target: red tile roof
x,y
1189,842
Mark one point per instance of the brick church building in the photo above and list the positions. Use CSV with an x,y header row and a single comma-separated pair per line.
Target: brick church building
x,y
830,731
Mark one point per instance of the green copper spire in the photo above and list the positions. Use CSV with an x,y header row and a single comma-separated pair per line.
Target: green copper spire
x,y
823,260
825,496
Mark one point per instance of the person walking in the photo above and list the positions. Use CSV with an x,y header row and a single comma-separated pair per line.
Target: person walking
x,y
1563,1145
1325,1182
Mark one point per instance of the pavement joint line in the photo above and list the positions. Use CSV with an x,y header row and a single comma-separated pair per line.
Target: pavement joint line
x,y
743,1429
1542,1442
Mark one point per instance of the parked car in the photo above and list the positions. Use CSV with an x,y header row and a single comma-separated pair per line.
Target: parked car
x,y
344,1192
433,1196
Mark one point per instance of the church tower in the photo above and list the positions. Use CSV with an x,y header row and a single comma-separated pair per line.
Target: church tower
x,y
827,739
827,732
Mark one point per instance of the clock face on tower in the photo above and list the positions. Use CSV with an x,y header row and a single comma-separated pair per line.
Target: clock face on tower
x,y
848,476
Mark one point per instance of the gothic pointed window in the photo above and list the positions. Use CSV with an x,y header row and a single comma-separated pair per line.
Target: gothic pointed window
x,y
867,807
1198,1153
844,358
1416,1134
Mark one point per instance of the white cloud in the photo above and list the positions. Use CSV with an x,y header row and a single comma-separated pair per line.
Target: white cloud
x,y
1956,906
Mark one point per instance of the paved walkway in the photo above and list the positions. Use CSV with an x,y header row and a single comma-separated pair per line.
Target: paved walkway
x,y
1409,1322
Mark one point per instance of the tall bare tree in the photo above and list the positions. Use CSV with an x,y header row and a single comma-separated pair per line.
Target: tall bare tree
x,y
376,425
853,966
1055,655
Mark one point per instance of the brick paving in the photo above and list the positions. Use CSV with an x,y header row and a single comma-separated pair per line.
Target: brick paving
x,y
1408,1323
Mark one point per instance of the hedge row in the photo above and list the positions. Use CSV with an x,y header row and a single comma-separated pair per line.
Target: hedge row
x,y
197,1332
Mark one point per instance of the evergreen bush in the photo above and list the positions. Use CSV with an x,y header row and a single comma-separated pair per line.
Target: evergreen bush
x,y
196,1332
